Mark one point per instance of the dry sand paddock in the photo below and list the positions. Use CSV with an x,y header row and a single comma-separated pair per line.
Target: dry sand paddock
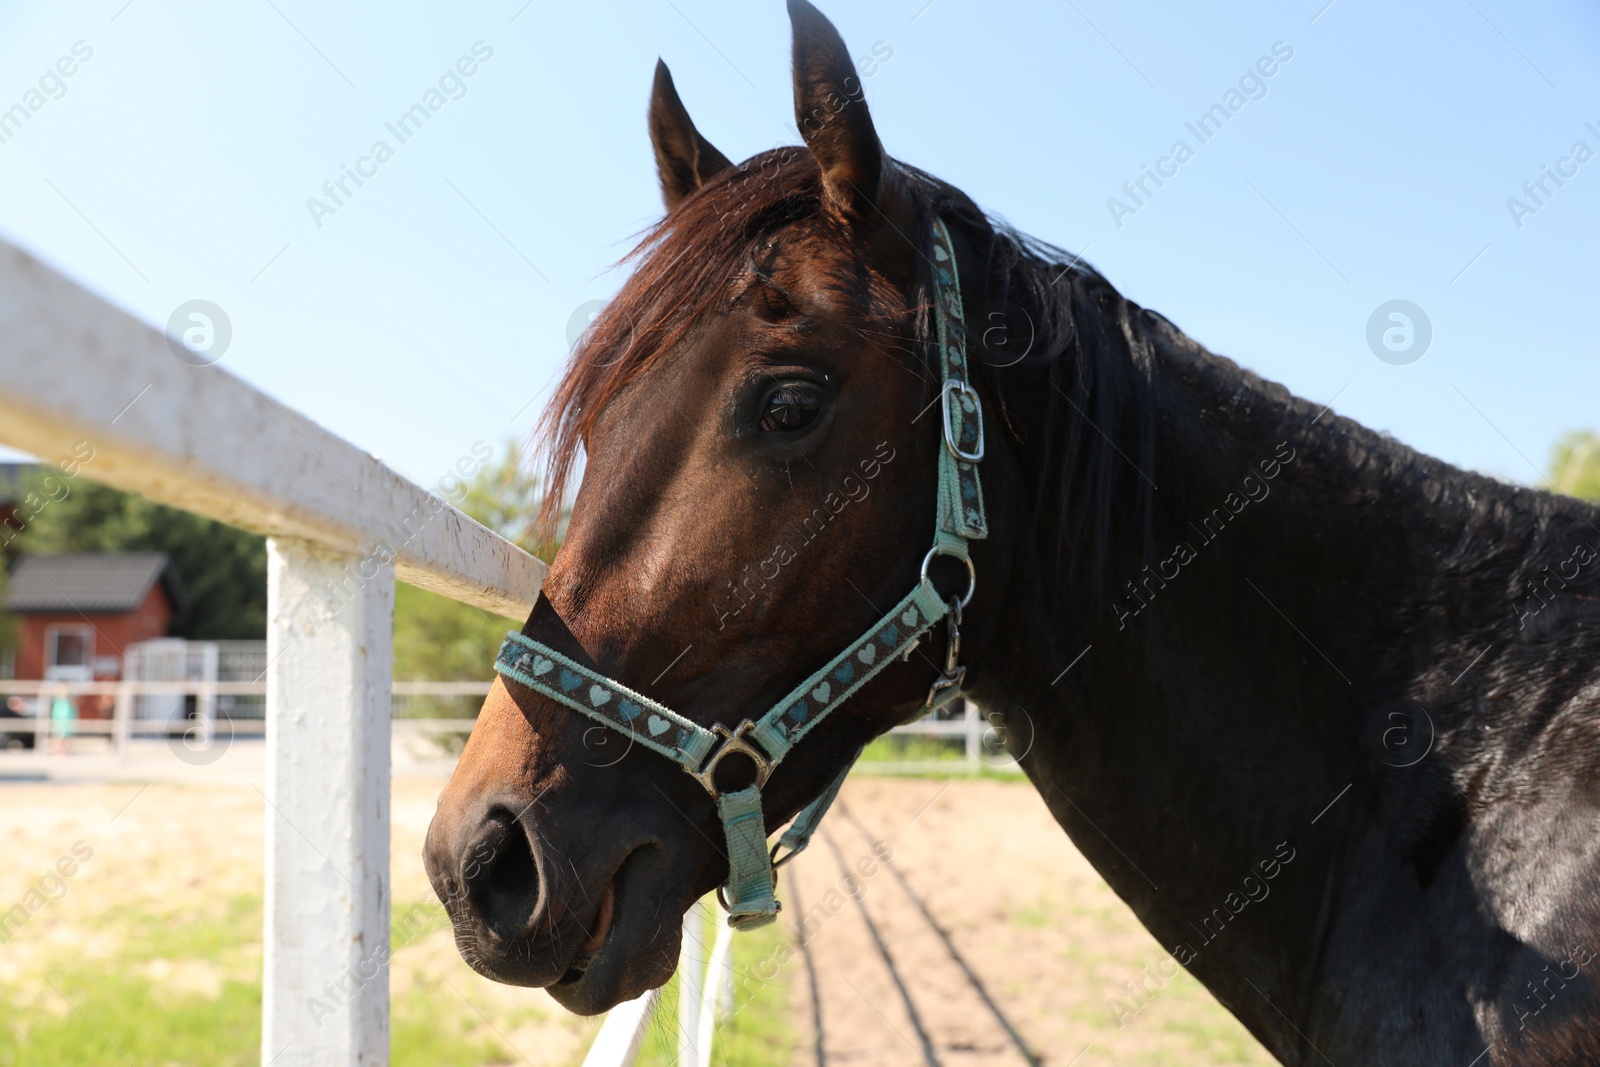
x,y
984,895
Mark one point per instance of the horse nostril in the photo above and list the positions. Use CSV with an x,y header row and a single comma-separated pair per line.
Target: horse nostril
x,y
500,875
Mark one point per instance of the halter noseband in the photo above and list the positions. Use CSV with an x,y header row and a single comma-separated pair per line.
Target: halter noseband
x,y
765,741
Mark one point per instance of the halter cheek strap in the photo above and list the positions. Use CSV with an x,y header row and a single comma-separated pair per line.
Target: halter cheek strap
x,y
748,893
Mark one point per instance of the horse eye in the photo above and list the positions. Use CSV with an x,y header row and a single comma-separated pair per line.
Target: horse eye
x,y
790,408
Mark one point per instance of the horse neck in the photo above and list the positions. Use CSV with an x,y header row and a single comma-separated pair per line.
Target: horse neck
x,y
1206,727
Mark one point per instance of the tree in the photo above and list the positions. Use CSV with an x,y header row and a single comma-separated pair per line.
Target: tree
x,y
1575,465
223,570
439,639
505,497
8,632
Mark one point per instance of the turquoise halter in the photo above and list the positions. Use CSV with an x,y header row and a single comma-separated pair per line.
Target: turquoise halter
x,y
765,741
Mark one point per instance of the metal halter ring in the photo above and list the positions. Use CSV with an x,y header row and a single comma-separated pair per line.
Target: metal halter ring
x,y
733,742
972,572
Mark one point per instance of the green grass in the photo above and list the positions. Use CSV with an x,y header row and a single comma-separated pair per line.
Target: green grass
x,y
105,1009
891,748
113,1016
82,1012
921,756
422,1036
117,1005
757,1032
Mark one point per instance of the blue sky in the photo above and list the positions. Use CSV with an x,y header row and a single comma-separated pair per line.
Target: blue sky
x,y
432,309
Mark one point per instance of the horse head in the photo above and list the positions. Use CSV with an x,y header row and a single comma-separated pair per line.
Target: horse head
x,y
760,415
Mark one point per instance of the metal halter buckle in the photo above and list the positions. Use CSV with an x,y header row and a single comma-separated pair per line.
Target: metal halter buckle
x,y
957,385
733,741
953,674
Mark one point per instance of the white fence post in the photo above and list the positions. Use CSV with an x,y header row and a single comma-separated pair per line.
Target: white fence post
x,y
974,725
82,380
617,1043
691,975
122,713
716,998
325,995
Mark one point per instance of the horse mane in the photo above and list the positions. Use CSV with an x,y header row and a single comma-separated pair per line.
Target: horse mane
x,y
1087,340
1088,448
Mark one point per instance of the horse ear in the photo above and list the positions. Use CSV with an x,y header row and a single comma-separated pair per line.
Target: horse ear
x,y
684,159
860,184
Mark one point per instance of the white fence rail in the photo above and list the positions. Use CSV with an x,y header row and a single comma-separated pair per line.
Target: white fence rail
x,y
83,382
86,386
35,724
980,744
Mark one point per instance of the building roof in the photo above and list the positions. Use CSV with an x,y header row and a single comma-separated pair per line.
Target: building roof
x,y
90,582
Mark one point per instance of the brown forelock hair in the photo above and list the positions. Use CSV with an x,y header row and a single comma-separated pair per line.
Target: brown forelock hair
x,y
696,260
1093,347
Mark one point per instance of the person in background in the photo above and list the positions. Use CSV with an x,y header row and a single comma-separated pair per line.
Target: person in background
x,y
63,723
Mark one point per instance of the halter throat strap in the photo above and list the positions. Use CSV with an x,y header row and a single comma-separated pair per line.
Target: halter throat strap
x,y
749,892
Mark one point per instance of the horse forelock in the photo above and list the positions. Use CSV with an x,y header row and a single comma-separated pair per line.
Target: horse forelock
x,y
694,262
1084,335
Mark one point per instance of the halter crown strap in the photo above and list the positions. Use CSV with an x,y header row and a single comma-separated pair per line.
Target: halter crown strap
x,y
961,512
961,518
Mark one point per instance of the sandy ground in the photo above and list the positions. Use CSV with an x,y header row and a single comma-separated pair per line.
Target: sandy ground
x,y
1024,918
170,855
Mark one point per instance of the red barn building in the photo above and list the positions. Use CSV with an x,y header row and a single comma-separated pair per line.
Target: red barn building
x,y
78,612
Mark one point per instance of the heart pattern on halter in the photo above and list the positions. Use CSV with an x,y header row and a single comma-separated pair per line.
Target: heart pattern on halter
x,y
960,517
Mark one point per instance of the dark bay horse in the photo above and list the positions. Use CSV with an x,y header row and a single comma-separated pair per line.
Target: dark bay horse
x,y
1322,710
